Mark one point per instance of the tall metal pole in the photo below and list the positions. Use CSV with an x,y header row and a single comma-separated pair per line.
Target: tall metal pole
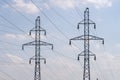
x,y
37,43
86,37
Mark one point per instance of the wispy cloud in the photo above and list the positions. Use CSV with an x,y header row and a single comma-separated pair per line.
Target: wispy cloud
x,y
26,7
29,8
66,4
100,3
15,58
19,37
10,36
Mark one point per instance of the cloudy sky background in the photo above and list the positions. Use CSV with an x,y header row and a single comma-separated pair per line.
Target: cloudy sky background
x,y
60,19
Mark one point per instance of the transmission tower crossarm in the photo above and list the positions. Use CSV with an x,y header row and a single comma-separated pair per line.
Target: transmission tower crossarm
x,y
33,58
34,29
44,59
90,22
76,38
82,54
91,37
28,44
42,43
46,44
81,22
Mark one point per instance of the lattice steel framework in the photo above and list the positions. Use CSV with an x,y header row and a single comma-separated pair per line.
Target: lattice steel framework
x,y
86,38
37,43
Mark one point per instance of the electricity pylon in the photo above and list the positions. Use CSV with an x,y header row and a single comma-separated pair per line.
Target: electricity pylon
x,y
37,43
86,38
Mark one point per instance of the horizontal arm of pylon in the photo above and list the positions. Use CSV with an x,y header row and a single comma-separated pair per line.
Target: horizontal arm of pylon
x,y
81,22
76,38
42,43
43,60
91,37
28,44
81,54
46,44
41,29
92,23
90,54
33,58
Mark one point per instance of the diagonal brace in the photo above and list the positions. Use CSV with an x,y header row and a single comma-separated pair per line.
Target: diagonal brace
x,y
76,38
91,37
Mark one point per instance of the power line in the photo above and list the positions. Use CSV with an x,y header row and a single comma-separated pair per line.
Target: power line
x,y
7,26
5,31
62,17
11,23
7,75
77,11
15,26
50,20
18,12
62,61
58,28
100,71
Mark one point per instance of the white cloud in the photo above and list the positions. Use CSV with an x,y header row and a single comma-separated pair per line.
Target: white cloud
x,y
46,5
10,36
100,3
15,58
26,7
66,4
19,37
14,36
66,67
117,45
41,36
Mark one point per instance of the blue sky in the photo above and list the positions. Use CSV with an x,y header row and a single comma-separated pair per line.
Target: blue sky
x,y
60,19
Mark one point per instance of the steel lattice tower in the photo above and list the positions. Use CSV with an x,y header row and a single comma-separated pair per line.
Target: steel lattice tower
x,y
37,43
86,38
